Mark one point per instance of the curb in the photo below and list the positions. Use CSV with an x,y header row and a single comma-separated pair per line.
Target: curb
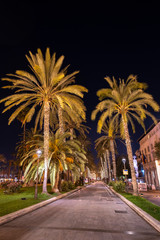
x,y
11,216
148,218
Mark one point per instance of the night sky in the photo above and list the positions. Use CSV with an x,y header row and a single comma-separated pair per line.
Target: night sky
x,y
99,40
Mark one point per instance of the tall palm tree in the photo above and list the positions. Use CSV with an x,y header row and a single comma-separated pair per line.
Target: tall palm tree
x,y
70,116
20,118
109,139
122,103
47,87
102,146
62,155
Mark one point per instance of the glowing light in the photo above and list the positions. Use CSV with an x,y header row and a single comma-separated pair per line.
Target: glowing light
x,y
39,152
130,232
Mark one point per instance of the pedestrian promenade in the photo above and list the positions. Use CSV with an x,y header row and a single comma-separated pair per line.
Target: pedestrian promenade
x,y
93,213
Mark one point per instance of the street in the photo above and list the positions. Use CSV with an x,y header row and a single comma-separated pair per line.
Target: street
x,y
91,213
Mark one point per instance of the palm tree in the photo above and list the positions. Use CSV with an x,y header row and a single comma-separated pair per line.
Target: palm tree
x,y
47,87
109,139
122,103
62,155
9,167
20,118
2,158
3,161
102,146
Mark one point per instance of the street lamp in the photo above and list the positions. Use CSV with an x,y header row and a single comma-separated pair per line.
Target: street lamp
x,y
39,152
124,162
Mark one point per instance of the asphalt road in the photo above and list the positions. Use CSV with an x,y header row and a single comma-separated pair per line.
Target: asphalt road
x,y
92,213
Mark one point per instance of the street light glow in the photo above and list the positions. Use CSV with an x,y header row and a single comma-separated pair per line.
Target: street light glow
x,y
39,152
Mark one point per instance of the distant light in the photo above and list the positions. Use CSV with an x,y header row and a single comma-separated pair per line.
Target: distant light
x,y
39,152
123,160
130,232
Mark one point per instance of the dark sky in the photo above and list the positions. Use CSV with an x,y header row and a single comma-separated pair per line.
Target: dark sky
x,y
99,40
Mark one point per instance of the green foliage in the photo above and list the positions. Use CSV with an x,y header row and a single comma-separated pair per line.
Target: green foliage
x,y
64,154
144,204
13,202
124,101
64,186
47,83
77,183
119,186
10,186
71,185
111,183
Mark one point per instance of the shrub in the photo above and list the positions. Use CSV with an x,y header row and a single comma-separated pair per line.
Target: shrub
x,y
64,186
71,185
111,183
119,186
77,183
9,186
14,186
4,185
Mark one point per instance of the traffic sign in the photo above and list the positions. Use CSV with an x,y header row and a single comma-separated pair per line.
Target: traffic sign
x,y
125,171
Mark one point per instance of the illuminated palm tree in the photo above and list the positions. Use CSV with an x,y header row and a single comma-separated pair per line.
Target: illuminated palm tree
x,y
102,146
46,88
62,154
122,103
21,117
108,140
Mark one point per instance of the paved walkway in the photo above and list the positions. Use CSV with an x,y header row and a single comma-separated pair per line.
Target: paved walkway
x,y
93,213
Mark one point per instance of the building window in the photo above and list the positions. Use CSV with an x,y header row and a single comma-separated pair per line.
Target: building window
x,y
145,151
151,146
148,149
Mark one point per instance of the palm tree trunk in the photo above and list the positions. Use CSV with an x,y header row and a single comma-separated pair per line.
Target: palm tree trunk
x,y
24,138
109,165
60,117
105,165
55,189
113,159
130,157
36,185
9,168
61,128
71,138
46,144
102,169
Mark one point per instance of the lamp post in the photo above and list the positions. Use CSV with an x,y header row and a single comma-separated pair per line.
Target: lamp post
x,y
111,175
39,152
124,162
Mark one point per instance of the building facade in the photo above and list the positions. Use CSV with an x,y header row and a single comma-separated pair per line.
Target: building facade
x,y
151,164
